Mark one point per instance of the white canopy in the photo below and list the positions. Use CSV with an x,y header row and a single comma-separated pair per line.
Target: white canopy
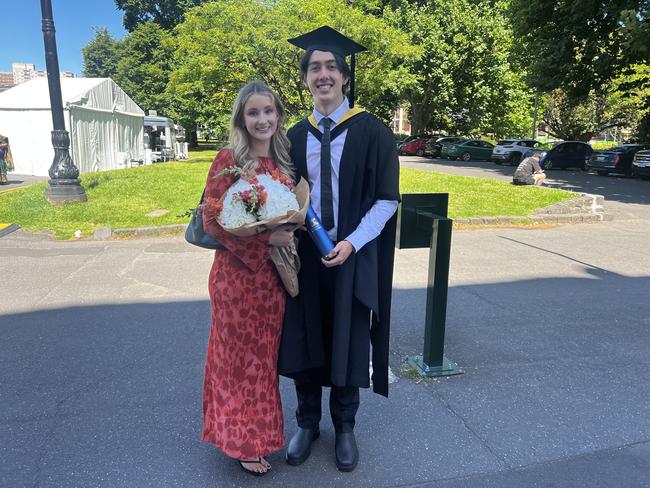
x,y
105,124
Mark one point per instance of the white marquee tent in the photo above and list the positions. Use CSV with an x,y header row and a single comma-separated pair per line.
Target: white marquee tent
x,y
105,125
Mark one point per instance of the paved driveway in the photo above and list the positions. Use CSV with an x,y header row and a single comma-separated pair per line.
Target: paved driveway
x,y
625,198
21,180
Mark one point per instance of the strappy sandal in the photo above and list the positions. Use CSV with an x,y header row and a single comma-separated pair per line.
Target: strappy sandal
x,y
253,461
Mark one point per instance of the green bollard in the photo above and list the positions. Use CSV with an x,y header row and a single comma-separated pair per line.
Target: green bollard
x,y
423,222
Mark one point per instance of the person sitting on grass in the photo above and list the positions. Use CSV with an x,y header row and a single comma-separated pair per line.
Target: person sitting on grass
x,y
529,172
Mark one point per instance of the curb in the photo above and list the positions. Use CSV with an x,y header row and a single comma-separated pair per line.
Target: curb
x,y
104,233
586,208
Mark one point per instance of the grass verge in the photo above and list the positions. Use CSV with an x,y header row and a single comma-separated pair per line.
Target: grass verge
x,y
123,198
470,196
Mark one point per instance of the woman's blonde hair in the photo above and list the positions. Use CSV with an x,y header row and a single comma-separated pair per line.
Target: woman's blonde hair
x,y
239,138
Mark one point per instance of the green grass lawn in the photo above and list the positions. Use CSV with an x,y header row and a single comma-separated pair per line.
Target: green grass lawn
x,y
480,197
123,198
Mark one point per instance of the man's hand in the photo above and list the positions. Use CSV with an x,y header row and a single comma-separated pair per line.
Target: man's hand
x,y
341,253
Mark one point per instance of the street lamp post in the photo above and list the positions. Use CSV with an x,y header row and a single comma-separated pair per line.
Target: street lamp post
x,y
64,175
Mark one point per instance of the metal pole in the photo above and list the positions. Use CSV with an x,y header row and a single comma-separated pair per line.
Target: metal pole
x,y
433,362
534,128
64,184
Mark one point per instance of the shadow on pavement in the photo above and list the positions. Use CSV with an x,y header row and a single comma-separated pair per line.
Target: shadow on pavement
x,y
110,395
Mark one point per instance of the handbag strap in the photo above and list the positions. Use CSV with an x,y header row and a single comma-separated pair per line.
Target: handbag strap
x,y
202,196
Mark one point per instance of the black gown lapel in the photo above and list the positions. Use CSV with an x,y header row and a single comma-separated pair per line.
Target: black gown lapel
x,y
298,138
350,164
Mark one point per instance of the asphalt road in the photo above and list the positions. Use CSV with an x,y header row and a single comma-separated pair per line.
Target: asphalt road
x,y
102,347
626,198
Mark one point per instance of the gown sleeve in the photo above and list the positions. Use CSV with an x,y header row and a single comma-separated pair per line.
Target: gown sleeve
x,y
387,167
252,251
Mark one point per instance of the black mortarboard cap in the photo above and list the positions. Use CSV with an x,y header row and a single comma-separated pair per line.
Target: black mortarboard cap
x,y
327,39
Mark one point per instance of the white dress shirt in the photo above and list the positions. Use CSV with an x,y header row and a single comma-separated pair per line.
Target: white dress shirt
x,y
375,219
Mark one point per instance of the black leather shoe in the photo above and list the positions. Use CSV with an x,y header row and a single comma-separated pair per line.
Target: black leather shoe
x,y
299,447
347,454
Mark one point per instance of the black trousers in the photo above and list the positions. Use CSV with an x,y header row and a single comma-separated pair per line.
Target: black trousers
x,y
344,403
344,400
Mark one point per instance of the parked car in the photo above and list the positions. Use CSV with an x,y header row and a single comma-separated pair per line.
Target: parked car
x,y
568,154
403,139
641,164
400,139
471,149
512,150
414,147
434,145
616,159
540,148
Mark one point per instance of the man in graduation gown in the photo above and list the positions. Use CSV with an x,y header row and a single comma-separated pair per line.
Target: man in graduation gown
x,y
350,159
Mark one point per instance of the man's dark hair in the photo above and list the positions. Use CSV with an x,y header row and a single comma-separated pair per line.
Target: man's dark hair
x,y
341,64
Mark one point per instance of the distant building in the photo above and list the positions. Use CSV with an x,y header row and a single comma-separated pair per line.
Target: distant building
x,y
6,80
23,72
401,124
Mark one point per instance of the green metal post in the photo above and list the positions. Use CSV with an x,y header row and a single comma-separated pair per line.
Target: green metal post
x,y
433,362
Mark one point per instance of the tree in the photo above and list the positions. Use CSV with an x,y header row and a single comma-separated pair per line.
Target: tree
x,y
466,80
577,46
165,13
636,33
573,121
100,55
631,92
224,44
144,65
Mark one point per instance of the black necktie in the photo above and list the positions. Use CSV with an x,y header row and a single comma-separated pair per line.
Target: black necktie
x,y
326,205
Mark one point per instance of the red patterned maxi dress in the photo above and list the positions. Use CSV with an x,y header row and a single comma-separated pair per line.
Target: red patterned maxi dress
x,y
242,412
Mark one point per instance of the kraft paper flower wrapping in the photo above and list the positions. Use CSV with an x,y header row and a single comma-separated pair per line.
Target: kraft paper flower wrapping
x,y
286,258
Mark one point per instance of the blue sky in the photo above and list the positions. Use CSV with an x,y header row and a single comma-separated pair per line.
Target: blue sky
x,y
21,37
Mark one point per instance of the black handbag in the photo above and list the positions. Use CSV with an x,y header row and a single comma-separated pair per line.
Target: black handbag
x,y
195,234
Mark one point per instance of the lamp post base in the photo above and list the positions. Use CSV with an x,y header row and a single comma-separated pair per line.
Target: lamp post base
x,y
447,368
66,190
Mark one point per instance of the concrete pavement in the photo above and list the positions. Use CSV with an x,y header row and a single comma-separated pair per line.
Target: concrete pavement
x,y
16,181
103,345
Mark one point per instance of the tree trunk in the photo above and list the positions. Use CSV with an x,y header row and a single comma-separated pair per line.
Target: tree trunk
x,y
192,138
419,118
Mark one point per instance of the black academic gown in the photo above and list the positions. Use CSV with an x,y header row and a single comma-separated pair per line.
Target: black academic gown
x,y
369,171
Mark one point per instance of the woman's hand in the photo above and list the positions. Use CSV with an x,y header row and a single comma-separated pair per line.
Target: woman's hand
x,y
281,236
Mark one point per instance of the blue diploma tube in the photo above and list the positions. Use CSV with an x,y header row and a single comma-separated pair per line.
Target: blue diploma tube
x,y
318,232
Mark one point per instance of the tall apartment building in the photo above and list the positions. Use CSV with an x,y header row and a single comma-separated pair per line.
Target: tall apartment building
x,y
23,72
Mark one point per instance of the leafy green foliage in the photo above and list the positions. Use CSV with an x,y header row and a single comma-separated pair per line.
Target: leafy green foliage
x,y
466,80
636,33
573,45
580,120
165,13
226,43
596,54
631,92
101,55
144,65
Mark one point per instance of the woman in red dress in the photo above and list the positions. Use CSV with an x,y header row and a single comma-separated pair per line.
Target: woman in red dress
x,y
242,411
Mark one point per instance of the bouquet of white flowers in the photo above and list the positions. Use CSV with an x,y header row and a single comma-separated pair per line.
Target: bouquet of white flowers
x,y
262,202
